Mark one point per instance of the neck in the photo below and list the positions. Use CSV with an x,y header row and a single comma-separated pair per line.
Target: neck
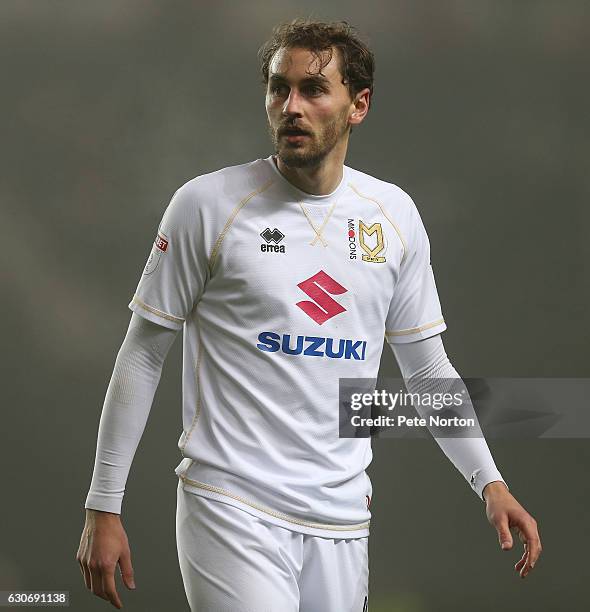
x,y
315,180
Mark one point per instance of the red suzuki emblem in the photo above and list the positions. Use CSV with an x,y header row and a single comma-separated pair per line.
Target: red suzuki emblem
x,y
318,287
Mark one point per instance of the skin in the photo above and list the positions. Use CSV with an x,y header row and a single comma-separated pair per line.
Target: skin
x,y
325,112
323,109
103,545
505,513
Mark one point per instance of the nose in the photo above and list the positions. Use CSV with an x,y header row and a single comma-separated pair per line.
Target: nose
x,y
292,105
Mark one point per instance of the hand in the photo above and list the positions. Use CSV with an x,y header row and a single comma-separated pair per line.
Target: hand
x,y
504,512
104,544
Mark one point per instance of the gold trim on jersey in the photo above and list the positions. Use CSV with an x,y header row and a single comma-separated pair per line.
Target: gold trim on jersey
x,y
159,313
197,370
318,232
386,215
326,219
413,330
231,218
275,513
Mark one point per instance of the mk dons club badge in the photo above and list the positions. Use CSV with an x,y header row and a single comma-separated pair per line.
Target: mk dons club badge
x,y
371,241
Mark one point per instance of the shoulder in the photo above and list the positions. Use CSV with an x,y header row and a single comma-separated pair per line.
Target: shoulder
x,y
201,207
395,203
224,184
208,199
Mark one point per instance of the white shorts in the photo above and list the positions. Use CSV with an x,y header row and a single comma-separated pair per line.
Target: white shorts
x,y
233,561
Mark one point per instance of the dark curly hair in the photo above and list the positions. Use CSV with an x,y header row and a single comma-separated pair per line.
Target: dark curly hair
x,y
357,62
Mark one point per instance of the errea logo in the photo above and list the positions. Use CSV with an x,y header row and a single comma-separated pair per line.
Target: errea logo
x,y
272,239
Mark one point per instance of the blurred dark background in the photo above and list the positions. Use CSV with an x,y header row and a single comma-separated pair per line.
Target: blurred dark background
x,y
480,112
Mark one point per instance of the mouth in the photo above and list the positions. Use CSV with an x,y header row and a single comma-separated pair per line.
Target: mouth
x,y
292,131
294,135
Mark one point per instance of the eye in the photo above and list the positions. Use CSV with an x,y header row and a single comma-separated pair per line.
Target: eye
x,y
275,89
314,90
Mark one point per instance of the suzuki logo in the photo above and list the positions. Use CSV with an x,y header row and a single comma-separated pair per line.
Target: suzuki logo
x,y
323,306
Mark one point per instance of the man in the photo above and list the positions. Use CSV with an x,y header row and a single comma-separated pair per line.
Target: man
x,y
285,275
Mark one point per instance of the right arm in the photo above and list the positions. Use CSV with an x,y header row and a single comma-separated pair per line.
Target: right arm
x,y
171,284
128,401
127,405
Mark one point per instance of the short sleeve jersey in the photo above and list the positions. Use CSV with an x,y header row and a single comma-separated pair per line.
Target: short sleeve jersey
x,y
281,293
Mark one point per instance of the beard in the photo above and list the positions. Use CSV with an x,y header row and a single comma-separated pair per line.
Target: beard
x,y
315,148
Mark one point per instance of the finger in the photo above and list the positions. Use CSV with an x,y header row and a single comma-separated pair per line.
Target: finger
x,y
518,566
525,556
109,587
96,582
524,570
126,567
86,574
529,565
522,560
533,546
504,535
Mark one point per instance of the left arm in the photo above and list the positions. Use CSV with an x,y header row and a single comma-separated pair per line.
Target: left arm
x,y
425,367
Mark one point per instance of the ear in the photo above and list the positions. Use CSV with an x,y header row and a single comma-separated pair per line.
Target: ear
x,y
361,106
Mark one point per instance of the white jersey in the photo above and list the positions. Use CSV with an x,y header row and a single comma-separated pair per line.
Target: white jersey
x,y
280,294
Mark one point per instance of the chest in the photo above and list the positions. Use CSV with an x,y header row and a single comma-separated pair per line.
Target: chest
x,y
310,261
